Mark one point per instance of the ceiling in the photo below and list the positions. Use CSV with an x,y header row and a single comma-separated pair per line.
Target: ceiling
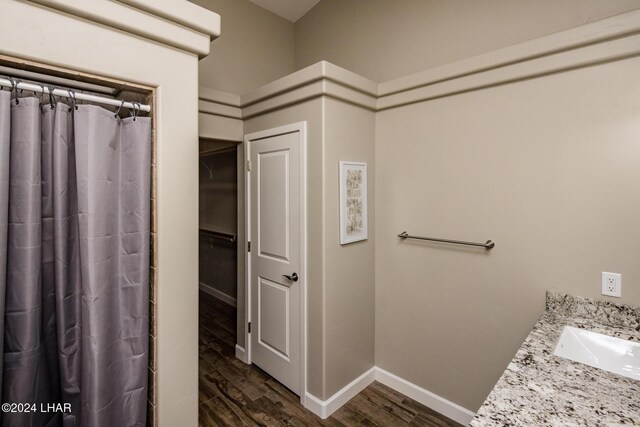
x,y
288,9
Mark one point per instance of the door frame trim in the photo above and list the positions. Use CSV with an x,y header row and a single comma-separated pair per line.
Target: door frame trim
x,y
301,128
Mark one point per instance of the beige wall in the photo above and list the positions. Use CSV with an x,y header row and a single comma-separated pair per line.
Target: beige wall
x,y
219,128
255,47
340,279
549,169
386,39
349,269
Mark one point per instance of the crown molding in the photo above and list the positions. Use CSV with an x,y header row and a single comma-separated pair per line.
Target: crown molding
x,y
181,12
610,39
218,109
322,70
178,24
218,97
573,59
320,79
593,33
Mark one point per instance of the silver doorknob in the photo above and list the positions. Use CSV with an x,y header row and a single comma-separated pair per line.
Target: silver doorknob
x,y
293,277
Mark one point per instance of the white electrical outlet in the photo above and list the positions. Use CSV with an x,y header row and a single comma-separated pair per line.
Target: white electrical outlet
x,y
611,284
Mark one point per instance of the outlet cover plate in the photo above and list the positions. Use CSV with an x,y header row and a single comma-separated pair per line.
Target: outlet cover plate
x,y
612,284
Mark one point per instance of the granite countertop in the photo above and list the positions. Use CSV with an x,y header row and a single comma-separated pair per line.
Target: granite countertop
x,y
538,388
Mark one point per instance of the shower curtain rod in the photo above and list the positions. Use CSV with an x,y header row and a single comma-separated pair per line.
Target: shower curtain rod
x,y
31,87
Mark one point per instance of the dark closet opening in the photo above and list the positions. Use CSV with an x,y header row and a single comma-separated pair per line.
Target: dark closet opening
x,y
218,268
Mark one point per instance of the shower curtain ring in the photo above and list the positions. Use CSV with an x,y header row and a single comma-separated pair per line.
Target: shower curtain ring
x,y
13,83
118,110
52,98
14,88
16,91
134,111
41,97
72,96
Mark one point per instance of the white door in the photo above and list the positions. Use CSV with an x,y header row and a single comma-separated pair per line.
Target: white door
x,y
275,255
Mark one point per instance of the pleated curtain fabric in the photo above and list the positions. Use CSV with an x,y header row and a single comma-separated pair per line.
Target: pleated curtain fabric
x,y
74,264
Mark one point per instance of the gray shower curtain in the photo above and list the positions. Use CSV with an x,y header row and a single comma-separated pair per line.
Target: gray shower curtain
x,y
74,264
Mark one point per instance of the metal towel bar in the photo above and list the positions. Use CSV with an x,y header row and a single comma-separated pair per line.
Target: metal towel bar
x,y
488,245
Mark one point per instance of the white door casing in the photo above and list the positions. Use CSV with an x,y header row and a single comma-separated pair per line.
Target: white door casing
x,y
276,305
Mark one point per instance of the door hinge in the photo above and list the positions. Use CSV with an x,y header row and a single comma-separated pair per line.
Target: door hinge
x,y
248,246
249,327
248,165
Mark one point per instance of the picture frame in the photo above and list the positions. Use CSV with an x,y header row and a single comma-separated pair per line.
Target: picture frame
x,y
353,202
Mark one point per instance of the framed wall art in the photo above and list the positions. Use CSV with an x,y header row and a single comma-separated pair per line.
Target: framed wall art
x,y
353,202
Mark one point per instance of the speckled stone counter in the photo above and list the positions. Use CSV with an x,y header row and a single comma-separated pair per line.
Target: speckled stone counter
x,y
539,389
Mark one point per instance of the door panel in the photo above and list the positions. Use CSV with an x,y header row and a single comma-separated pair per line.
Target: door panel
x,y
273,204
273,325
274,198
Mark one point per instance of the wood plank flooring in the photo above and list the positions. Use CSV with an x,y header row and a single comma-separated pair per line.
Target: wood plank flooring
x,y
235,394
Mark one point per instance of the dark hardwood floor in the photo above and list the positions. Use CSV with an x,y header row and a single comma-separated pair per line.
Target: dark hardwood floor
x,y
235,394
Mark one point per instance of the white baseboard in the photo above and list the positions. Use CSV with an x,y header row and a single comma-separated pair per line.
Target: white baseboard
x,y
427,398
241,354
228,299
325,408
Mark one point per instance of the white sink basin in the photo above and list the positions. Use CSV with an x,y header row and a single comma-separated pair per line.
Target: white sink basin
x,y
615,355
